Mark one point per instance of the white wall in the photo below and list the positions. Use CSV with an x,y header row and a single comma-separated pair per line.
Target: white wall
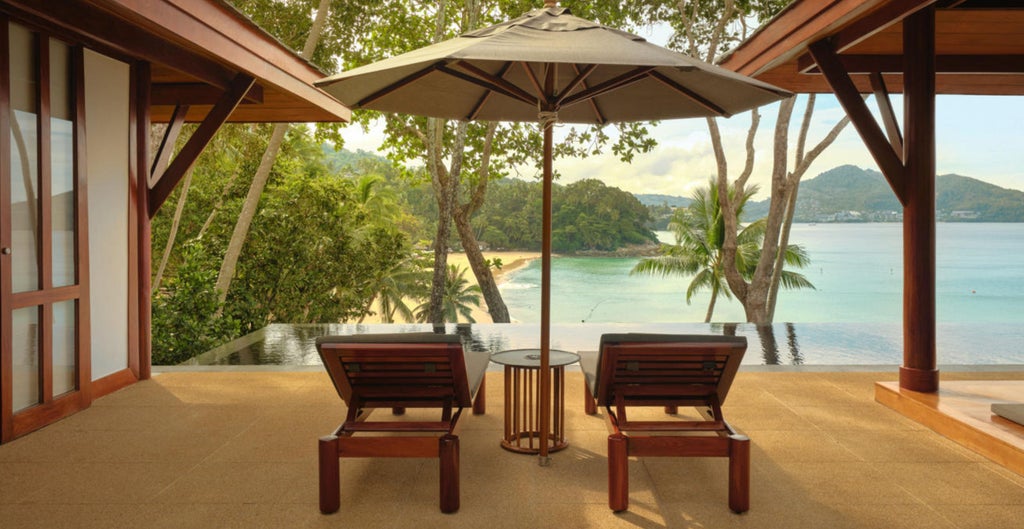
x,y
107,157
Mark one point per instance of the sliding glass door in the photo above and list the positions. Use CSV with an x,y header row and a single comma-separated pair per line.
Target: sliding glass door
x,y
44,356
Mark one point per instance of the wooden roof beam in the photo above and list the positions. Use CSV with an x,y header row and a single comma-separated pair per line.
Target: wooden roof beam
x,y
977,64
881,150
197,94
109,31
885,16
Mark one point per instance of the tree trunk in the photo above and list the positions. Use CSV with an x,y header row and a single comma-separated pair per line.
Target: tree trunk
x,y
259,181
252,199
492,296
711,305
178,209
780,258
463,213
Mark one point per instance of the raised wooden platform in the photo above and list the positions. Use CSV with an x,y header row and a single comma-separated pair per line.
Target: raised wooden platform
x,y
961,411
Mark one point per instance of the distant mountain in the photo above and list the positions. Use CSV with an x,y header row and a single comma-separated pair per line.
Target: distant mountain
x,y
851,194
672,201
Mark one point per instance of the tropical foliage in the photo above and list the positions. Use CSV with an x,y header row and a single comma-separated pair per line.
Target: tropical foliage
x,y
700,232
315,252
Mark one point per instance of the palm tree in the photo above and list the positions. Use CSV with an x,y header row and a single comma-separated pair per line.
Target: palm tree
x,y
699,231
395,286
459,298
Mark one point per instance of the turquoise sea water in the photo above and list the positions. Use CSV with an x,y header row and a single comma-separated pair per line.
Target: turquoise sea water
x,y
854,317
857,269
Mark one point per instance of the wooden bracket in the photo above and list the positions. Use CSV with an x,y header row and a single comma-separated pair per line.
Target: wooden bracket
x,y
892,128
163,152
199,140
849,97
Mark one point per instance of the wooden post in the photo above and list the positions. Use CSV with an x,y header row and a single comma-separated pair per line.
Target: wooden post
x,y
448,455
330,480
739,473
144,234
544,400
918,372
618,472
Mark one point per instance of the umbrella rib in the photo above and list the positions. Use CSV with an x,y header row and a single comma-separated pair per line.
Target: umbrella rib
x,y
533,79
484,84
397,85
615,83
487,95
697,98
497,81
580,78
593,104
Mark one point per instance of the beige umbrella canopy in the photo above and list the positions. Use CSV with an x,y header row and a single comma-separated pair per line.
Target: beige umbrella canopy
x,y
548,66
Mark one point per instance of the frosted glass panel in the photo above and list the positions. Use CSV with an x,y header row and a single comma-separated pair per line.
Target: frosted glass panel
x,y
62,166
63,347
25,236
62,202
25,361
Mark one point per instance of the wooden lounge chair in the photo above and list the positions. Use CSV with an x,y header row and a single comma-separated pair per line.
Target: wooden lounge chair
x,y
633,370
398,371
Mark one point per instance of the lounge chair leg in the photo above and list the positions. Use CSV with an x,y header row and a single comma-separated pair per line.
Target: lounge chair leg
x,y
671,410
589,402
330,485
448,451
397,411
480,402
739,473
618,472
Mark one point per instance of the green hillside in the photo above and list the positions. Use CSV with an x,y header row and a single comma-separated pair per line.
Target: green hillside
x,y
851,194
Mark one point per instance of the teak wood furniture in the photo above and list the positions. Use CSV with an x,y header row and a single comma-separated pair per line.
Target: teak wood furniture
x,y
398,371
634,370
522,407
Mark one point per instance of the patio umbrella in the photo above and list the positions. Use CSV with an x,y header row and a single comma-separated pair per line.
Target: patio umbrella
x,y
548,66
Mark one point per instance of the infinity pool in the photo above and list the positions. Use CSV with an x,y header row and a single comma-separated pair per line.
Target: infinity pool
x,y
778,344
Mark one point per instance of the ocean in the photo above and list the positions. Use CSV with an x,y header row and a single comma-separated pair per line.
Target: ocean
x,y
856,269
854,317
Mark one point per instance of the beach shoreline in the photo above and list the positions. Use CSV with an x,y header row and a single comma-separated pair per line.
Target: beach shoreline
x,y
511,261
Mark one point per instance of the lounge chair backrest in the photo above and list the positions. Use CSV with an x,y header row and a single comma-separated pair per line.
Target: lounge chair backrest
x,y
661,369
400,369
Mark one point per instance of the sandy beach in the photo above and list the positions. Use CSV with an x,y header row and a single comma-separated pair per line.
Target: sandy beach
x,y
510,262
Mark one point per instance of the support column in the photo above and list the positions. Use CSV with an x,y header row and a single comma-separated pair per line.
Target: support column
x,y
918,372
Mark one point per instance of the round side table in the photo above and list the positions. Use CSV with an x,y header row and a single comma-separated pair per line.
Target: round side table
x,y
522,403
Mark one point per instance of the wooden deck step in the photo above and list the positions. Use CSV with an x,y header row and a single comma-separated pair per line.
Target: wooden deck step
x,y
962,411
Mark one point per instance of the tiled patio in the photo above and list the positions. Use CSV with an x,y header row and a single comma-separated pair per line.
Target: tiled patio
x,y
238,449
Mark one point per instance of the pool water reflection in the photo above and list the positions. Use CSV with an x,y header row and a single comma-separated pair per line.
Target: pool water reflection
x,y
778,344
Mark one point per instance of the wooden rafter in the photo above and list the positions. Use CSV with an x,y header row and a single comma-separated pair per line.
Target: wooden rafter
x,y
614,83
196,94
693,96
949,64
202,136
885,16
170,138
881,150
496,80
892,128
484,98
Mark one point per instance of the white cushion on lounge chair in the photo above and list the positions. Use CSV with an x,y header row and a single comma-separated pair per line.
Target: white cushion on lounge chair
x,y
1009,411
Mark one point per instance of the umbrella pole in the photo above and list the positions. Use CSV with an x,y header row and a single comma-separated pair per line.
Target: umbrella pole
x,y
545,301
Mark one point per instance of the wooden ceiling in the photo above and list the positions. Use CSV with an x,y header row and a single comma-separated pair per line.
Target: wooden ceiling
x,y
979,45
195,49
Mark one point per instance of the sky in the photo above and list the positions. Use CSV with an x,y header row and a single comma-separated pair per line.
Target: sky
x,y
976,136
